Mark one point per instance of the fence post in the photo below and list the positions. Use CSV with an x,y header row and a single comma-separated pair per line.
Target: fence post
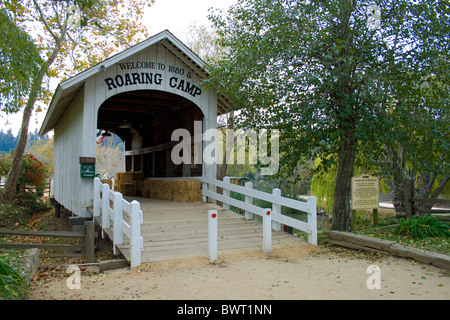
x,y
226,193
276,209
96,202
135,240
118,217
105,206
312,220
89,241
204,187
249,200
51,192
267,231
212,234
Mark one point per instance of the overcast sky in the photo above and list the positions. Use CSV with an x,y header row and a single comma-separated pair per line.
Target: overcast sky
x,y
174,15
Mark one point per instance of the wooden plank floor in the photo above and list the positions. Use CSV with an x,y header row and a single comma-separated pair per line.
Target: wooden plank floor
x,y
177,230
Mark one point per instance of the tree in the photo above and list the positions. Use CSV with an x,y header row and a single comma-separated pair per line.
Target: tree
x,y
204,42
418,159
70,36
7,141
19,61
322,72
42,149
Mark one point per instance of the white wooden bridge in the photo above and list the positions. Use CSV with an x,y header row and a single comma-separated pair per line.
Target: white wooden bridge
x,y
175,230
157,230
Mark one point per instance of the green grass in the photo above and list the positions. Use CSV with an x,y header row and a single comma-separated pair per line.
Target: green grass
x,y
12,286
426,233
422,227
15,215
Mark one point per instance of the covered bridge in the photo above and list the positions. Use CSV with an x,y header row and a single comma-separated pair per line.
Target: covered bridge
x,y
142,94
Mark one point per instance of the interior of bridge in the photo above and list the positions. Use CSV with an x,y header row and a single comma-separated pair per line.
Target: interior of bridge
x,y
145,120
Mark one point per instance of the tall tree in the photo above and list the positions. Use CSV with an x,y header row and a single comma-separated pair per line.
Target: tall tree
x,y
322,72
19,63
70,36
418,158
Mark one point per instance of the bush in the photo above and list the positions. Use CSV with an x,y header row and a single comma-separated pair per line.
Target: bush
x,y
422,227
32,173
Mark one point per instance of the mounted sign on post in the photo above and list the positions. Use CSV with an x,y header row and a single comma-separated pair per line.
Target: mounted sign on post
x,y
87,167
365,195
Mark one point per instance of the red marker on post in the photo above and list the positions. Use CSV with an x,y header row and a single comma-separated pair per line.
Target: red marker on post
x,y
212,234
267,232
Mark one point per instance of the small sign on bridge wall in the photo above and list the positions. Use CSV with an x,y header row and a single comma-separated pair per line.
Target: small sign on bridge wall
x,y
87,167
365,192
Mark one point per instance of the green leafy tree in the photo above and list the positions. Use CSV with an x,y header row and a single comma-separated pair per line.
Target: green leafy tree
x,y
69,36
43,149
323,73
419,157
19,63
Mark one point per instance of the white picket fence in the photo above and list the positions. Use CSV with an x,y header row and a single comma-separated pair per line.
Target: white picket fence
x,y
272,217
121,217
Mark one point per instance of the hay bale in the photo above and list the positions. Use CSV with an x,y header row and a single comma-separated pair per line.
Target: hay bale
x,y
186,190
165,190
137,176
182,190
192,190
139,188
128,189
179,190
118,177
194,193
107,181
126,177
129,183
147,188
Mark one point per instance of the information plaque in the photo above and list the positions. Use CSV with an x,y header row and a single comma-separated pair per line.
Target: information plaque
x,y
365,192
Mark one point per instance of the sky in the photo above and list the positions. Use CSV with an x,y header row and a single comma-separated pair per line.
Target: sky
x,y
174,15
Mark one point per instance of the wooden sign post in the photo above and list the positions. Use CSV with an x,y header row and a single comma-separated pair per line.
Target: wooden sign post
x,y
365,195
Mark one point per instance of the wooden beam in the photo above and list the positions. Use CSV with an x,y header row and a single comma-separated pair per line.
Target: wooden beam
x,y
42,246
152,149
360,242
62,234
89,241
112,264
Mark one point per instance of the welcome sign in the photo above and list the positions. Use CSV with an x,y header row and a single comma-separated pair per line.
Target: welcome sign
x,y
155,77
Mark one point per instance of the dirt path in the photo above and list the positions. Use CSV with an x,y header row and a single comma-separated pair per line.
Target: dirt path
x,y
290,273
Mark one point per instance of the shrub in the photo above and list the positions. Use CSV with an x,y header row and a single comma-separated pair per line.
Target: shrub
x,y
422,227
32,173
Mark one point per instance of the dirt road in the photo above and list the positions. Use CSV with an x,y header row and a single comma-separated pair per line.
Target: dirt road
x,y
294,273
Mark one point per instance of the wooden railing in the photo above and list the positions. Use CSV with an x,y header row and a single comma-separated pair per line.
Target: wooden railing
x,y
410,206
277,218
86,249
119,218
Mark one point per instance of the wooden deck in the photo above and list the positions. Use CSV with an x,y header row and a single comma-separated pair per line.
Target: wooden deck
x,y
177,230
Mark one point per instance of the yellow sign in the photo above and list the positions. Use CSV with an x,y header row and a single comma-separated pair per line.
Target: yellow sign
x,y
365,192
